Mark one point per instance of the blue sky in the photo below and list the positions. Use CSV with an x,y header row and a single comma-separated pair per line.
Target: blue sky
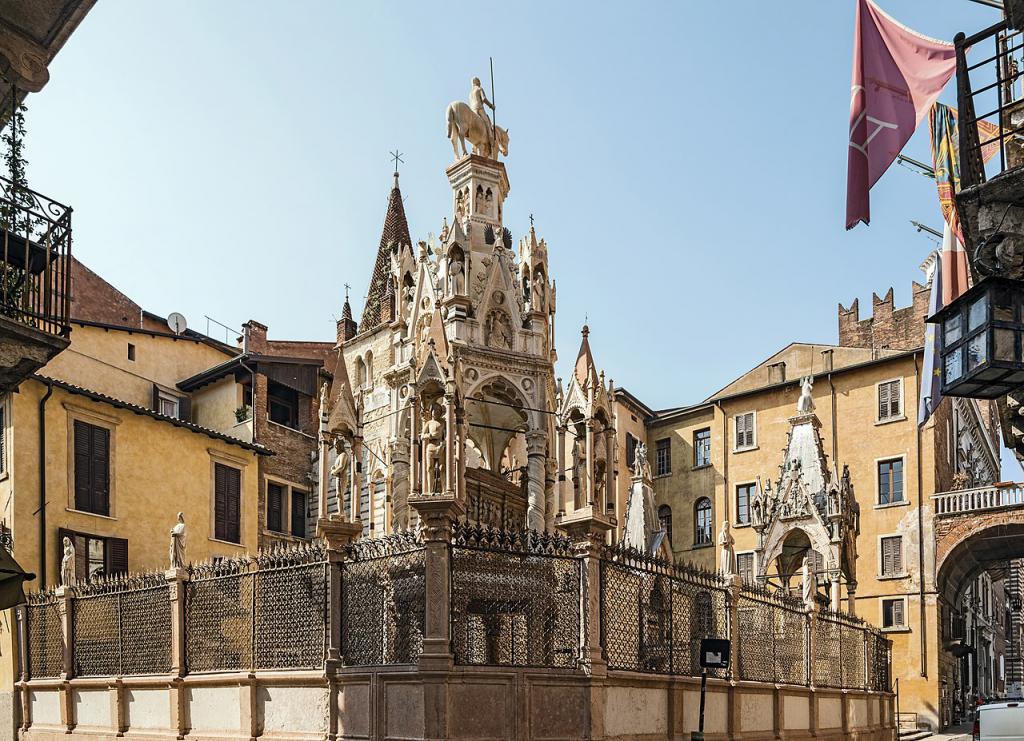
x,y
686,162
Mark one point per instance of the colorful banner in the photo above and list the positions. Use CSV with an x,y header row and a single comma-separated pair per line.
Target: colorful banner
x,y
944,134
897,75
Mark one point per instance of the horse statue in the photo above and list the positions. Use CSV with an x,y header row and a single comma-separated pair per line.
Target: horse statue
x,y
464,124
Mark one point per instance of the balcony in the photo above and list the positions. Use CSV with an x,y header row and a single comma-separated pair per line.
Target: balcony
x,y
35,264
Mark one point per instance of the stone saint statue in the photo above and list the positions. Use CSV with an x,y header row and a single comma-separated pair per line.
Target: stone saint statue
x,y
340,465
456,276
433,451
806,404
178,542
323,402
67,564
726,551
810,582
641,466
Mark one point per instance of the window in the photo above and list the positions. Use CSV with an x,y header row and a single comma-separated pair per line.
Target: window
x,y
275,506
92,468
702,522
892,613
630,451
283,405
890,481
745,567
131,352
168,405
663,460
702,448
890,402
892,556
744,493
299,513
95,555
665,518
227,492
744,424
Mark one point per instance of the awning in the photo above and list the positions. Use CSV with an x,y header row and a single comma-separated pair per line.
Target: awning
x,y
12,577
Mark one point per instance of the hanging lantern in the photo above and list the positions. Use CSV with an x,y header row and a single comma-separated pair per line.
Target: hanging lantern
x,y
981,336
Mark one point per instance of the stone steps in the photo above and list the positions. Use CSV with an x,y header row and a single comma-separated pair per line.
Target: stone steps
x,y
914,734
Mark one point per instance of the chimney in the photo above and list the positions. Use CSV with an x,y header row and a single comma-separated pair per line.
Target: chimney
x,y
254,337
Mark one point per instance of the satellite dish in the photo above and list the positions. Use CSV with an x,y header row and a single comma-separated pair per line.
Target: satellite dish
x,y
176,322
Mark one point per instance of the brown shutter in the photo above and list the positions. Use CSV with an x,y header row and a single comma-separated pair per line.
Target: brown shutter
x,y
220,527
275,494
883,400
156,398
298,513
233,497
739,422
117,556
185,408
887,567
897,612
83,460
897,554
100,470
894,399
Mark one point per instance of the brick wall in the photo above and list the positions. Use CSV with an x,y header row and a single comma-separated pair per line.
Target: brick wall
x,y
888,327
95,300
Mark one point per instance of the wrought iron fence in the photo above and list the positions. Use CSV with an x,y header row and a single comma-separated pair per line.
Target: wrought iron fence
x,y
45,649
35,259
880,658
122,626
515,598
773,633
263,612
840,645
383,600
654,614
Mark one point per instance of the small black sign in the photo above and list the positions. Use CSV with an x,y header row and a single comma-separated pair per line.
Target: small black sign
x,y
714,653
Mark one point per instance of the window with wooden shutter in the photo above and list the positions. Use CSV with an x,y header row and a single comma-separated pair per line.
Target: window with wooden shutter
x,y
227,489
92,468
745,567
744,424
275,505
117,555
889,400
892,613
663,457
298,513
892,556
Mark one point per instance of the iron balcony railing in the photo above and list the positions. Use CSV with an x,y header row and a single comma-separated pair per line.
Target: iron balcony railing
x,y
990,84
35,259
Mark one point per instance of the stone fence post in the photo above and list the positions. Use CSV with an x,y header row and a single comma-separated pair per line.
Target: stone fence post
x,y
436,515
587,527
177,586
66,608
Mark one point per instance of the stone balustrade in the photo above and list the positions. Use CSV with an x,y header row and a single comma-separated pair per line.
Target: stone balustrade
x,y
978,499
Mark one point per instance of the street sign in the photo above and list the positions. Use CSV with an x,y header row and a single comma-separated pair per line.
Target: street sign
x,y
714,653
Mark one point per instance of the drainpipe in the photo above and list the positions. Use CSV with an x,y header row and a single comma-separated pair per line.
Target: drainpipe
x,y
835,435
920,531
725,457
42,483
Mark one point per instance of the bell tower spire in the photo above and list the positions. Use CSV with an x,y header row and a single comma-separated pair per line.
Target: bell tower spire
x,y
394,237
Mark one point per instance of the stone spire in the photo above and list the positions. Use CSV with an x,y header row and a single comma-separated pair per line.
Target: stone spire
x,y
346,329
395,235
586,370
343,418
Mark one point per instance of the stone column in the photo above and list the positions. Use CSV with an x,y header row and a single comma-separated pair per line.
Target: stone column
x,y
355,483
22,694
609,470
590,463
460,470
851,597
177,579
550,493
835,592
560,469
399,484
449,444
735,586
810,623
436,661
536,450
323,469
414,448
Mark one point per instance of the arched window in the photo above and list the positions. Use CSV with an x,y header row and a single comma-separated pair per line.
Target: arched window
x,y
369,368
360,372
665,517
702,522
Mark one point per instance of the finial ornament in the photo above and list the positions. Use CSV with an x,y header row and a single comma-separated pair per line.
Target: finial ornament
x,y
396,157
806,404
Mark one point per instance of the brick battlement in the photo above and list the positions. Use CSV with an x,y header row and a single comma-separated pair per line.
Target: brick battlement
x,y
888,328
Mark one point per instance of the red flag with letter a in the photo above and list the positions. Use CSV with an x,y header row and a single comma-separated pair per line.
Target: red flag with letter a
x,y
897,75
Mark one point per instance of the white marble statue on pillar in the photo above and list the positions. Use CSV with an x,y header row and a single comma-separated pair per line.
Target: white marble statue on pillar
x,y
726,549
809,582
67,564
177,550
